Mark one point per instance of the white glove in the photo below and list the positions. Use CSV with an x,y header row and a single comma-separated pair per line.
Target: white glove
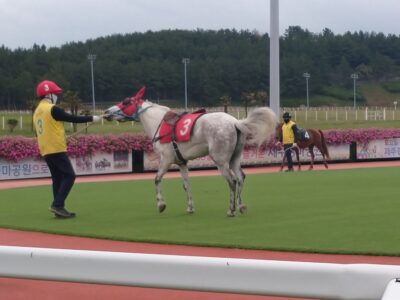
x,y
295,145
96,119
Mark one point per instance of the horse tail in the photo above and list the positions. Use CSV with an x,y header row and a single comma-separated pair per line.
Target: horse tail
x,y
237,152
323,144
260,125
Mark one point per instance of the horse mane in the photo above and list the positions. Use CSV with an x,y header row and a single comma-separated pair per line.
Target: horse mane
x,y
162,107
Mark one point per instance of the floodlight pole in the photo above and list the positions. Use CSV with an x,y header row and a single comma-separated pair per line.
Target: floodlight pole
x,y
274,57
355,77
185,61
307,76
92,58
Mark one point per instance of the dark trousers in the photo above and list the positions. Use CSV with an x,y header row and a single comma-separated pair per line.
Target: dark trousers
x,y
288,153
63,177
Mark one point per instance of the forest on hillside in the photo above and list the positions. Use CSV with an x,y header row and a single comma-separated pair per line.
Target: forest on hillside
x,y
224,63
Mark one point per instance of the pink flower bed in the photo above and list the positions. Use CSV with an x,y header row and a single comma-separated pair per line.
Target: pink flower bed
x,y
18,148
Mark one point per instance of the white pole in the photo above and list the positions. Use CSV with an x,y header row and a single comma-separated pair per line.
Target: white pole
x,y
92,58
274,57
355,77
185,61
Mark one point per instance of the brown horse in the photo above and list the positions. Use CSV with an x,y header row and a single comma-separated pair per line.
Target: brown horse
x,y
315,139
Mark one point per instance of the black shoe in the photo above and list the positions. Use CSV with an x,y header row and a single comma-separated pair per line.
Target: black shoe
x,y
61,212
289,170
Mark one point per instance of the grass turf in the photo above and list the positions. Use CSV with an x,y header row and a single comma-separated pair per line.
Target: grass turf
x,y
343,211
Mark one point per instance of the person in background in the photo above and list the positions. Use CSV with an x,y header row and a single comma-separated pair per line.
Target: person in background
x,y
48,120
289,134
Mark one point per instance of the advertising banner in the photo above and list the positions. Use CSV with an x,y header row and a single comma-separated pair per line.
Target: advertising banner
x,y
98,163
251,157
387,148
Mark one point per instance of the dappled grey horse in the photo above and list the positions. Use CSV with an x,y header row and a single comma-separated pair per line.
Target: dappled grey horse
x,y
217,134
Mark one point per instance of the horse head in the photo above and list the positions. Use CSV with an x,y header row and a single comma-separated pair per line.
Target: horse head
x,y
128,109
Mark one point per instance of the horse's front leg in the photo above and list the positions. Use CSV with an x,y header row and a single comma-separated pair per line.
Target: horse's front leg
x,y
283,162
296,151
186,186
160,173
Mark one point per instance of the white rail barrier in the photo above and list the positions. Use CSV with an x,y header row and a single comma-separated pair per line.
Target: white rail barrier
x,y
248,276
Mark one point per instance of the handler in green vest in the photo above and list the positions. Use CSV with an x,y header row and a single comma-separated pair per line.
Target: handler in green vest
x,y
48,119
289,134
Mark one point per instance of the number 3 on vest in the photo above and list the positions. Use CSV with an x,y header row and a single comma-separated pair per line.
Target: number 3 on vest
x,y
40,126
186,125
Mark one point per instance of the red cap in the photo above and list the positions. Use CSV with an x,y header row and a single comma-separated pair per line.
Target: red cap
x,y
47,87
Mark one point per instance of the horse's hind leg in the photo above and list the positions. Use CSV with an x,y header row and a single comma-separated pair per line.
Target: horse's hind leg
x,y
323,156
325,162
240,176
232,182
186,186
240,183
311,149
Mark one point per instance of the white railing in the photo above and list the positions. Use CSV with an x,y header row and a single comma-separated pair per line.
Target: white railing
x,y
247,276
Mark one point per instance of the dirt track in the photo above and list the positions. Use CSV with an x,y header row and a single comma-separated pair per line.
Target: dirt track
x,y
18,289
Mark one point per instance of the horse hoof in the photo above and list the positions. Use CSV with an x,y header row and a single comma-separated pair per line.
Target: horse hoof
x,y
230,213
162,207
242,208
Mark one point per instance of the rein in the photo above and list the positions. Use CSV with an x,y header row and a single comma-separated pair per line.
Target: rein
x,y
72,135
156,139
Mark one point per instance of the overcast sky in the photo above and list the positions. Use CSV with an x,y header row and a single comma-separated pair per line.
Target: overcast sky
x,y
56,22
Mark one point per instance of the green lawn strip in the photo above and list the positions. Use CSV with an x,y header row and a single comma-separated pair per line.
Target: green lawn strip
x,y
343,211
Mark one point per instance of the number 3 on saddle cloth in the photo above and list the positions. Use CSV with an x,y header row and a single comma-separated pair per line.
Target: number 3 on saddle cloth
x,y
178,127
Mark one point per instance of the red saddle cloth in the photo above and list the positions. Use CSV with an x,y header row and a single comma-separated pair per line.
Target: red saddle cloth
x,y
183,128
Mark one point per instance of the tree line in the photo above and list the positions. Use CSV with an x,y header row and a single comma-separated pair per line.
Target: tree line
x,y
223,63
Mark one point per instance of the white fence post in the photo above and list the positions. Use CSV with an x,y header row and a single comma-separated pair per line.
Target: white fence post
x,y
392,291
